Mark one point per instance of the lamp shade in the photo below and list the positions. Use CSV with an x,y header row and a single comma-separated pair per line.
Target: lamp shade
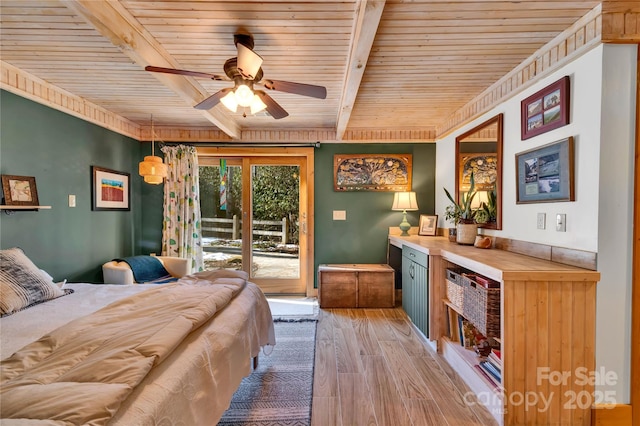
x,y
244,95
229,100
257,105
481,197
404,201
152,169
249,62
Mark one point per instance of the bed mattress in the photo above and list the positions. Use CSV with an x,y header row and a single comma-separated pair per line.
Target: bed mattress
x,y
196,381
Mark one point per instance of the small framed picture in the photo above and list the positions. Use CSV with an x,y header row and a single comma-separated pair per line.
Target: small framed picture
x,y
19,190
428,224
110,189
546,109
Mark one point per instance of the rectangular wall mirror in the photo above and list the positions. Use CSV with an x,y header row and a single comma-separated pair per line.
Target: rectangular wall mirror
x,y
479,150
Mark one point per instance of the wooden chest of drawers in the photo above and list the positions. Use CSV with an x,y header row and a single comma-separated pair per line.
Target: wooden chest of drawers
x,y
356,286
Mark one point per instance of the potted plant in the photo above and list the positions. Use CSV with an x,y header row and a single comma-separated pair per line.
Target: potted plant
x,y
463,215
451,214
487,212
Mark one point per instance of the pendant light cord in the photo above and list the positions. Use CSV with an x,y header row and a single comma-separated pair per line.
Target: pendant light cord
x,y
152,138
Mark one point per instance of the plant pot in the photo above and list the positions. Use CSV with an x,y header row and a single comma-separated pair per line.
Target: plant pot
x,y
453,234
466,233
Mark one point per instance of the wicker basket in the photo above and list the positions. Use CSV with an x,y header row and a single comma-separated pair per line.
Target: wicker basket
x,y
482,304
455,287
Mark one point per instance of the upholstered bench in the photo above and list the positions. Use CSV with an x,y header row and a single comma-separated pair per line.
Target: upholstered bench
x,y
118,271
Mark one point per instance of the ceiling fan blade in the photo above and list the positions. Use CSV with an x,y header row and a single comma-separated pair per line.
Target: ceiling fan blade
x,y
212,100
183,72
319,92
273,108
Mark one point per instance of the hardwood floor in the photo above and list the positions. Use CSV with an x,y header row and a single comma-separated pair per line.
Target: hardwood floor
x,y
373,368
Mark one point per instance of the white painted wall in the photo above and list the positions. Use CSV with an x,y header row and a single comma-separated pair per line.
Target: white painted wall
x,y
615,222
602,124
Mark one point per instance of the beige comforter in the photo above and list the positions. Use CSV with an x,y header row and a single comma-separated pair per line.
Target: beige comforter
x,y
83,372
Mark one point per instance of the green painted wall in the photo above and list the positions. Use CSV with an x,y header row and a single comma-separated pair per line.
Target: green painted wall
x,y
150,226
73,243
362,238
59,150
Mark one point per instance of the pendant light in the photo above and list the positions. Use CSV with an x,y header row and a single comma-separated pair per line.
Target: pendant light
x,y
152,169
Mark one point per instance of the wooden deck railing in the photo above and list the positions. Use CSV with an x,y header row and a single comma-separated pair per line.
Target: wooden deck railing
x,y
233,227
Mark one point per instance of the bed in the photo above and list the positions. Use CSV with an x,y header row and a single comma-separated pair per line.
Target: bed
x,y
186,348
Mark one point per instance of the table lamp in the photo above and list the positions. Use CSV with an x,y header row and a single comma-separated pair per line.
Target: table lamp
x,y
404,201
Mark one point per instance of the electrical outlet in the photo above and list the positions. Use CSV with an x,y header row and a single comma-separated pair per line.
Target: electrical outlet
x,y
542,217
561,222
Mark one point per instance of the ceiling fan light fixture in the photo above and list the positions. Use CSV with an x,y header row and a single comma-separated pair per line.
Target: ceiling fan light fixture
x,y
249,62
245,71
229,100
244,95
257,105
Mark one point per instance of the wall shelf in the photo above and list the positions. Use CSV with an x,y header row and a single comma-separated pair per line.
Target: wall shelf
x,y
12,209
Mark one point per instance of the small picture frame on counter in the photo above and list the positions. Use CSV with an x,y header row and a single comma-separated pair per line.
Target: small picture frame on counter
x,y
428,225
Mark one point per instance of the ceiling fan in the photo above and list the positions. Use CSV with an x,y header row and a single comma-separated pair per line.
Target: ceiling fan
x,y
245,71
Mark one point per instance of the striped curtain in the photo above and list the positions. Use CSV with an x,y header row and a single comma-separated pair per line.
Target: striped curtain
x,y
181,235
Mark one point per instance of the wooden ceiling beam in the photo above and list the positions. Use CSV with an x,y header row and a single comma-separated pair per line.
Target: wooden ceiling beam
x,y
364,33
621,21
114,22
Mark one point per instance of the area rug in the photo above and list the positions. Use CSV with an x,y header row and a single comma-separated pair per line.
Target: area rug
x,y
279,391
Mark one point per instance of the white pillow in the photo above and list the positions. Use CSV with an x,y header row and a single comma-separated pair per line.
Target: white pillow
x,y
22,284
50,278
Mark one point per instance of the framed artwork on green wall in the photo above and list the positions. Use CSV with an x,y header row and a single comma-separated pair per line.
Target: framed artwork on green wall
x,y
377,172
110,189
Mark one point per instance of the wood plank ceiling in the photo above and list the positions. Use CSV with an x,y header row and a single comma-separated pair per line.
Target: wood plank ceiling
x,y
399,65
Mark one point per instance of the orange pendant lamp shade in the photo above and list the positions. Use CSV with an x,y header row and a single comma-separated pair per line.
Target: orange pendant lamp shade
x,y
152,169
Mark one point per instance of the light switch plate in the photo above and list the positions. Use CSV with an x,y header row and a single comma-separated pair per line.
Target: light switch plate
x,y
561,222
72,200
339,215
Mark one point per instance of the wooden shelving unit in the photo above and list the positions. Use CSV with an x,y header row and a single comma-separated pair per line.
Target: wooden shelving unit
x,y
547,320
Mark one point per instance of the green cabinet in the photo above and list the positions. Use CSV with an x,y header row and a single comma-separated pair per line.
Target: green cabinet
x,y
415,287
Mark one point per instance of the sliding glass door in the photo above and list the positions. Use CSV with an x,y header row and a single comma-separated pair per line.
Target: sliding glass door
x,y
254,218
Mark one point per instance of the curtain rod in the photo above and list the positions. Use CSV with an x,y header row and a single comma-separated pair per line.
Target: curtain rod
x,y
247,144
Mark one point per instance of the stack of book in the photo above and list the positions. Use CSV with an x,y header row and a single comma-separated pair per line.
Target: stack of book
x,y
491,367
495,358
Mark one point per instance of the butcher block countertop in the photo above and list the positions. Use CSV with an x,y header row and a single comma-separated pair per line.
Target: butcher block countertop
x,y
497,264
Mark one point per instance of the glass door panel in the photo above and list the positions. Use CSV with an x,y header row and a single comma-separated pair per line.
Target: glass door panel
x,y
221,211
254,218
275,217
